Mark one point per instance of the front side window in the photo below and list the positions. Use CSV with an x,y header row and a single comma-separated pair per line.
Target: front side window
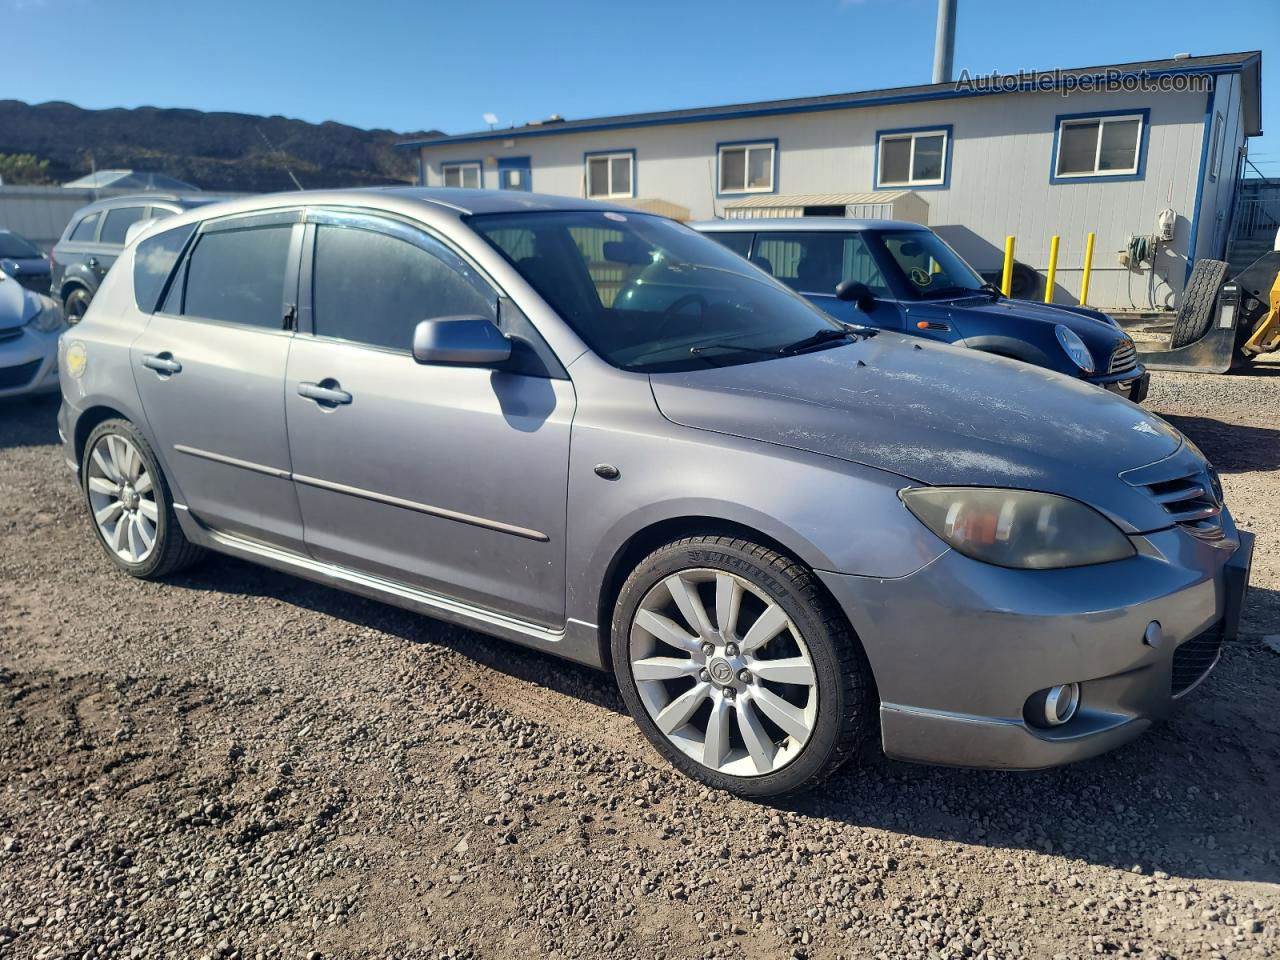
x,y
747,167
153,262
87,229
373,288
927,268
118,223
818,262
461,175
913,158
1099,146
648,294
609,175
237,276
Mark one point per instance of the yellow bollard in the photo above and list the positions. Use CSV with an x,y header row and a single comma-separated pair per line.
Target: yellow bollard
x,y
1088,268
1006,285
1053,269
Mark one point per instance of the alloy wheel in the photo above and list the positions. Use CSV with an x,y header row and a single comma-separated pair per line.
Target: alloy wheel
x,y
723,672
122,498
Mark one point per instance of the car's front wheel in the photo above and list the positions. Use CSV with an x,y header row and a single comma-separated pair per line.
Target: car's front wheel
x,y
739,667
129,503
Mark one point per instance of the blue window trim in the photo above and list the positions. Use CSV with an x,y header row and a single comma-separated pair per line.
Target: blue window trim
x,y
610,153
946,159
1200,178
754,142
1144,112
462,163
516,163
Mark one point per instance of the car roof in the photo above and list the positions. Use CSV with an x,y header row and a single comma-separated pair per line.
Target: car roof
x,y
802,224
429,202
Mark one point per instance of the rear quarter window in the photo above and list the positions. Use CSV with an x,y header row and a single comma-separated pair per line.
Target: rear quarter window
x,y
117,224
87,229
153,261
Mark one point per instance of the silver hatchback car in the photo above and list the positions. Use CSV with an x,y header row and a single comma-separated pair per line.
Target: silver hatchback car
x,y
597,433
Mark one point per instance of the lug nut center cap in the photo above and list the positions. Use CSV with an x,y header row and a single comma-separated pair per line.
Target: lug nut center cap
x,y
721,671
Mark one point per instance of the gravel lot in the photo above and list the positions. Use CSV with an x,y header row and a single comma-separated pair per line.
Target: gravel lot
x,y
240,764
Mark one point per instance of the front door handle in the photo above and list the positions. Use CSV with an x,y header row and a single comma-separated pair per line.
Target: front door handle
x,y
324,394
162,363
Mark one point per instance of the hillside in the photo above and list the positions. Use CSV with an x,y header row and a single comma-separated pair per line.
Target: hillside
x,y
216,151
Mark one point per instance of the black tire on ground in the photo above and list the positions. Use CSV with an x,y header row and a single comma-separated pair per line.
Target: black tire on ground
x,y
1195,312
847,712
1024,282
75,305
173,551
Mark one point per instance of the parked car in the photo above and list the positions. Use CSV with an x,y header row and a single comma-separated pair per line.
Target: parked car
x,y
23,261
29,326
596,432
904,277
94,237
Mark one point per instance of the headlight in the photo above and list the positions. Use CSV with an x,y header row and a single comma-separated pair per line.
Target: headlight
x,y
1018,528
1075,348
49,318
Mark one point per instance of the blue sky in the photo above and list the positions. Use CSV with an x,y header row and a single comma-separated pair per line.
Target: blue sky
x,y
410,65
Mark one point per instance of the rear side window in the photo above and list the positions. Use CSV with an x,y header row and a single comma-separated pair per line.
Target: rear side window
x,y
237,276
159,213
153,262
118,223
373,288
87,228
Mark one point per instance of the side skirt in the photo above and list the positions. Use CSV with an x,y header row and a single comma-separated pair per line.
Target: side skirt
x,y
578,641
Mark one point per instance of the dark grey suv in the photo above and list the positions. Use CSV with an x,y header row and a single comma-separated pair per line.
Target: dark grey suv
x,y
601,434
93,239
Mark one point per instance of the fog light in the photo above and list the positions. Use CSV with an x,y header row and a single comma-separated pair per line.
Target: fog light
x,y
1053,707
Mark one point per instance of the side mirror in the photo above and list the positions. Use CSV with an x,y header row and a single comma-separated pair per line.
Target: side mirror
x,y
463,341
856,292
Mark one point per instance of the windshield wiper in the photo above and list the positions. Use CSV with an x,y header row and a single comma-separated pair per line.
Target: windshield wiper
x,y
704,347
830,335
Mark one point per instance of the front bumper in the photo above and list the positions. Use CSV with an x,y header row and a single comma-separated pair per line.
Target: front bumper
x,y
1132,385
959,646
29,363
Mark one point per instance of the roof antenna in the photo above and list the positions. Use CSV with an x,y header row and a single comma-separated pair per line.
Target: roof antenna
x,y
273,149
491,119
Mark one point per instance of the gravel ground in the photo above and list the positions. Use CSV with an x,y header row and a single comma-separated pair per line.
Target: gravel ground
x,y
240,764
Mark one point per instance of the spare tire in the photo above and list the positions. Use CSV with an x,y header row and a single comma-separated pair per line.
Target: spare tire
x,y
1199,298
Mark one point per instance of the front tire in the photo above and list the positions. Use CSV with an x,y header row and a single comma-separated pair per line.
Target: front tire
x,y
76,305
739,668
130,507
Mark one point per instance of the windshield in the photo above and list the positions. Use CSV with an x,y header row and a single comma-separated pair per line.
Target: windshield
x,y
12,245
930,269
650,295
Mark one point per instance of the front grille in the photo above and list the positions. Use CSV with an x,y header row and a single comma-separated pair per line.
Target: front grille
x,y
1195,658
1191,502
1124,358
18,376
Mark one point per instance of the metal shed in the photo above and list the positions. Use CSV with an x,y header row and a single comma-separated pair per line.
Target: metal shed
x,y
877,205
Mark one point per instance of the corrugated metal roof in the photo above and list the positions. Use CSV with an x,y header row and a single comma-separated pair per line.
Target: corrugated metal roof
x,y
816,199
927,91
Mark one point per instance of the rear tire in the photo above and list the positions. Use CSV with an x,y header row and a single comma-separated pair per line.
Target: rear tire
x,y
1195,312
75,305
129,503
786,695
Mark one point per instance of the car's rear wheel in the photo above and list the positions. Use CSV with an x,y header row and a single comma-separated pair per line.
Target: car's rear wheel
x,y
739,668
129,503
76,305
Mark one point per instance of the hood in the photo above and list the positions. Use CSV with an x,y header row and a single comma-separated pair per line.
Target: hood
x,y
1100,335
17,305
928,412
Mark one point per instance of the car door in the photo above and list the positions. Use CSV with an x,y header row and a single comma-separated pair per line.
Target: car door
x,y
210,369
448,479
814,264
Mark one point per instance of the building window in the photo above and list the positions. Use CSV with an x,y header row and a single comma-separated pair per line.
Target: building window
x,y
1099,146
461,175
748,167
912,158
1215,158
611,175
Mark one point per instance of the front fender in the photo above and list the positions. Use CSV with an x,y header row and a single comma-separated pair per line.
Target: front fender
x,y
1017,348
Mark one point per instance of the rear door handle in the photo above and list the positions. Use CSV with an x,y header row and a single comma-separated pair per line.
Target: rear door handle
x,y
322,394
161,363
